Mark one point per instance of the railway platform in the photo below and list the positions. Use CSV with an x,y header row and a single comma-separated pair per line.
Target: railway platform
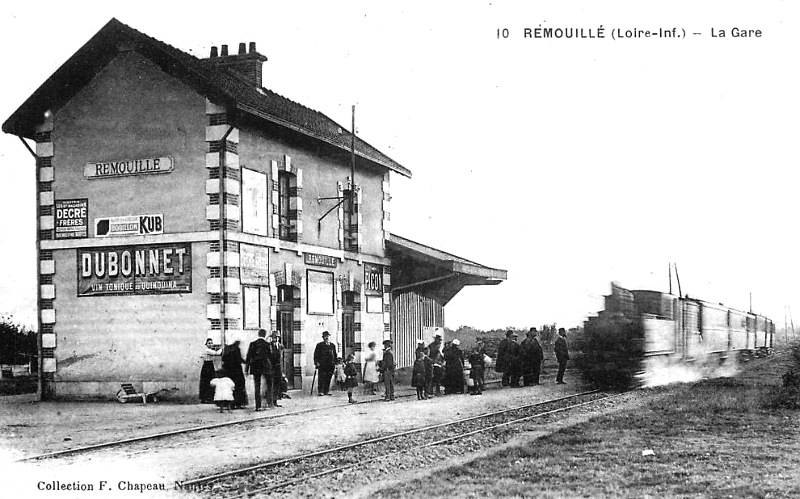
x,y
303,423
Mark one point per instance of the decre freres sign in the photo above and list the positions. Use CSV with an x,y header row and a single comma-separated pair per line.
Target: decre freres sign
x,y
128,167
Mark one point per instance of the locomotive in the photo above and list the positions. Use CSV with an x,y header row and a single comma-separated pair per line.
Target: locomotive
x,y
653,337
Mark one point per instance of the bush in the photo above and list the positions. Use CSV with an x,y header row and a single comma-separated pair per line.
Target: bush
x,y
788,395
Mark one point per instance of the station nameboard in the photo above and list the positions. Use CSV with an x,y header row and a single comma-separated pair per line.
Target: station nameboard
x,y
71,218
135,270
135,225
127,167
320,260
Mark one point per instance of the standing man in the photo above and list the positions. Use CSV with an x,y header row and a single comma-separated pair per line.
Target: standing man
x,y
325,362
387,368
259,364
533,356
276,357
561,354
438,365
508,360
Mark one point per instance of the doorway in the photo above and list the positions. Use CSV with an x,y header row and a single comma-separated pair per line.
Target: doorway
x,y
348,324
286,330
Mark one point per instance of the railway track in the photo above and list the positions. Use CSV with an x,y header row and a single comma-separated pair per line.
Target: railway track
x,y
416,448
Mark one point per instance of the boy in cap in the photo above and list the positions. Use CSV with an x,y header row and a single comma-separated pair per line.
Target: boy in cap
x,y
325,362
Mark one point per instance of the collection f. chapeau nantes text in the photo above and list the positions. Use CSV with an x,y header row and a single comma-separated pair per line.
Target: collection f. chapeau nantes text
x,y
110,485
545,32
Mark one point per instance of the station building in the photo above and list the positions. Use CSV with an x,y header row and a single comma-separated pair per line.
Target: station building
x,y
179,200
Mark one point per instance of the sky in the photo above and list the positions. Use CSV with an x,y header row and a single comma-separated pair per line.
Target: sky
x,y
570,163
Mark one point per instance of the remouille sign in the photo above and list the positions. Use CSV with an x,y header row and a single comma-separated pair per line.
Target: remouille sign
x,y
127,167
135,270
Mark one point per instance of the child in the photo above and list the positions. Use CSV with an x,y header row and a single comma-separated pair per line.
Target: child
x,y
223,391
477,367
338,373
418,376
351,377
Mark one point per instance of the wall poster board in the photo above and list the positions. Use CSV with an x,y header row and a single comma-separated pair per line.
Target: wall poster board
x,y
320,292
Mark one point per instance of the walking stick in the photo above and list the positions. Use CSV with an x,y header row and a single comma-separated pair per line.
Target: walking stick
x,y
311,391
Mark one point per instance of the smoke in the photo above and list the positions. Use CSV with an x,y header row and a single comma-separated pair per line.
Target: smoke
x,y
666,370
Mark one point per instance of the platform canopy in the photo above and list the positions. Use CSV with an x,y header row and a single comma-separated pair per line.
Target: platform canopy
x,y
434,273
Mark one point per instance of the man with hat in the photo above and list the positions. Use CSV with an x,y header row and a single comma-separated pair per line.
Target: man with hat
x,y
435,353
387,369
325,362
259,363
276,357
531,356
508,359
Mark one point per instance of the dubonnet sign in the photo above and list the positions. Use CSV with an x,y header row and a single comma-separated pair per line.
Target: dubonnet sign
x,y
135,270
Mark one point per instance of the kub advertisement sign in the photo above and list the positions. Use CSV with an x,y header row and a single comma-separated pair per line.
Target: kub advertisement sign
x,y
71,218
135,225
135,270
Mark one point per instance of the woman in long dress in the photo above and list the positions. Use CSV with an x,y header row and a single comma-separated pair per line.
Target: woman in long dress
x,y
370,369
207,372
453,368
232,365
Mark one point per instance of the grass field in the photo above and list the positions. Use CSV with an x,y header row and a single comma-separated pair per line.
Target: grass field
x,y
718,438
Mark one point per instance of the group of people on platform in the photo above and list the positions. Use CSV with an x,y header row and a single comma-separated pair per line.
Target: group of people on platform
x,y
524,360
226,387
435,366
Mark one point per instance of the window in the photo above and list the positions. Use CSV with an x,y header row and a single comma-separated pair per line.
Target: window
x,y
256,307
284,187
347,220
320,292
254,202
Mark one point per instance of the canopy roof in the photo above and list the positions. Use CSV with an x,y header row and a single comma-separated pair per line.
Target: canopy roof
x,y
433,272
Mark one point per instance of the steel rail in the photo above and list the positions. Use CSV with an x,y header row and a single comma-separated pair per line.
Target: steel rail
x,y
211,478
306,478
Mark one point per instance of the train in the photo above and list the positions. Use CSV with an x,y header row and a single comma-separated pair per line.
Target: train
x,y
653,337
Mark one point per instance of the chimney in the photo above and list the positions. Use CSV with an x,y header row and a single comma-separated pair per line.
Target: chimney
x,y
246,64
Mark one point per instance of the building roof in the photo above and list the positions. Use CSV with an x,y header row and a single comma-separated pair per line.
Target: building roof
x,y
217,83
435,273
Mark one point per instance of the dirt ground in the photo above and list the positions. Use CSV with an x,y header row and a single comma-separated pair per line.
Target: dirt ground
x,y
28,427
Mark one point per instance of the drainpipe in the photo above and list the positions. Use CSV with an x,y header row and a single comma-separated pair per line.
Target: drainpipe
x,y
39,361
222,151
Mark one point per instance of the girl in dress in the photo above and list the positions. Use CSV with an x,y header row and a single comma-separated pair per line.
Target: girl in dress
x,y
371,370
338,374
